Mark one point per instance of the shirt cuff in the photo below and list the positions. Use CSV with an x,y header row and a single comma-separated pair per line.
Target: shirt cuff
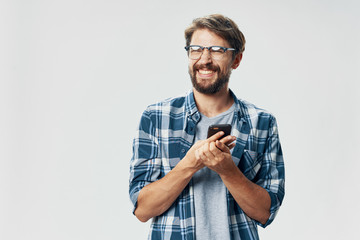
x,y
134,193
273,209
134,198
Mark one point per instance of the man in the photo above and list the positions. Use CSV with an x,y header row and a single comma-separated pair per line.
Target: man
x,y
196,187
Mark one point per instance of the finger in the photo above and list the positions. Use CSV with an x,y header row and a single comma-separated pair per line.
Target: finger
x,y
227,140
202,153
222,146
216,136
214,149
206,151
231,146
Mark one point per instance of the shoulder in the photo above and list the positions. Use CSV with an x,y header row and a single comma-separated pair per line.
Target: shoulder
x,y
251,110
258,117
167,107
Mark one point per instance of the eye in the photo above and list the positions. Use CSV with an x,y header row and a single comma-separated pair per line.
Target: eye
x,y
217,49
195,48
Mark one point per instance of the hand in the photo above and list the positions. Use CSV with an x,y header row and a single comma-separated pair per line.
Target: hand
x,y
216,154
191,157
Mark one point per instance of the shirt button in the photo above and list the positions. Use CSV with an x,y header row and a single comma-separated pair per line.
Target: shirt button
x,y
183,150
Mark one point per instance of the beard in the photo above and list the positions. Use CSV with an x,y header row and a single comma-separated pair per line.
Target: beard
x,y
220,82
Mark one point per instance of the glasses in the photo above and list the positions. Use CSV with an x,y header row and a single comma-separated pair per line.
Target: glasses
x,y
216,52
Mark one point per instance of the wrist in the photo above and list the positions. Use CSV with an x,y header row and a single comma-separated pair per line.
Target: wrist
x,y
231,174
190,165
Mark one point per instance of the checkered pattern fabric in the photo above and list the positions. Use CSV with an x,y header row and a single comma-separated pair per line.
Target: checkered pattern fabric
x,y
165,134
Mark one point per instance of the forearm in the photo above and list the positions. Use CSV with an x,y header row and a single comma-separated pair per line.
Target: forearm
x,y
155,198
254,200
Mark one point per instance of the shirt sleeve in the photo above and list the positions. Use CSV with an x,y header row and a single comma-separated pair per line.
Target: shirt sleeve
x,y
144,165
272,173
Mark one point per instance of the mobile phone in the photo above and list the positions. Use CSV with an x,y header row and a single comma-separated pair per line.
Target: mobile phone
x,y
226,128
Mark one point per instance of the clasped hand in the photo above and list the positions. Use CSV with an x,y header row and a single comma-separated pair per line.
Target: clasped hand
x,y
214,153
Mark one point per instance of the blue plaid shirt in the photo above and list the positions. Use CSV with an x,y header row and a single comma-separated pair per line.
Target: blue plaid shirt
x,y
166,133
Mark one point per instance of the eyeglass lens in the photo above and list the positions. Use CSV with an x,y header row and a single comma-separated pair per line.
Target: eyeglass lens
x,y
215,52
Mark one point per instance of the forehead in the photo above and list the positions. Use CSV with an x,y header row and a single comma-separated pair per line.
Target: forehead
x,y
205,37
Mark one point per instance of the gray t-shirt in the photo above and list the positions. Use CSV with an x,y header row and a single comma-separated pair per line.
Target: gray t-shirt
x,y
211,215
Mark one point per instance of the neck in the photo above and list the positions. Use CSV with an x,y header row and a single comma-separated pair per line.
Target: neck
x,y
212,105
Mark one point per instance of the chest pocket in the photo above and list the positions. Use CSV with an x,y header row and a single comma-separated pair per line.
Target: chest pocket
x,y
250,163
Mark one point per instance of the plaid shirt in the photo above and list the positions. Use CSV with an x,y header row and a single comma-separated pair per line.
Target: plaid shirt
x,y
166,133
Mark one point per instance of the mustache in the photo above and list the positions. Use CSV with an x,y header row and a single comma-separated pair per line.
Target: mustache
x,y
210,66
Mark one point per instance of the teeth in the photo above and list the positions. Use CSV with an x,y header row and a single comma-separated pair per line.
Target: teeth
x,y
205,72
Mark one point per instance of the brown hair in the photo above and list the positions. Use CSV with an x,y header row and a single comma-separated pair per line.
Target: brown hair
x,y
220,25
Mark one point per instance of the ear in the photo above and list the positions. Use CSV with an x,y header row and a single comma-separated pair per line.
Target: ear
x,y
236,61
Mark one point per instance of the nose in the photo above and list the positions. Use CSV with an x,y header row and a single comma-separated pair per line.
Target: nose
x,y
205,57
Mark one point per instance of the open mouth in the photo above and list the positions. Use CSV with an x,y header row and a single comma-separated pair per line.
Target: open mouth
x,y
205,72
208,70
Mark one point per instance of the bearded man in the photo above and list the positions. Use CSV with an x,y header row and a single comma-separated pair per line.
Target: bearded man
x,y
196,186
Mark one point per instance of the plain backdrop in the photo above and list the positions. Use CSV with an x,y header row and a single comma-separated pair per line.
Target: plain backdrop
x,y
77,74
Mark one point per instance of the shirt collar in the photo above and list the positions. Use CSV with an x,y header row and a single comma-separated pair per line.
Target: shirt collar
x,y
239,106
192,110
190,105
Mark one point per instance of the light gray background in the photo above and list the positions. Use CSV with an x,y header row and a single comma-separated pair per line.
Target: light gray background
x,y
76,76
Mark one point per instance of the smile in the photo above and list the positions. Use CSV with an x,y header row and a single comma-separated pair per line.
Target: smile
x,y
206,72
